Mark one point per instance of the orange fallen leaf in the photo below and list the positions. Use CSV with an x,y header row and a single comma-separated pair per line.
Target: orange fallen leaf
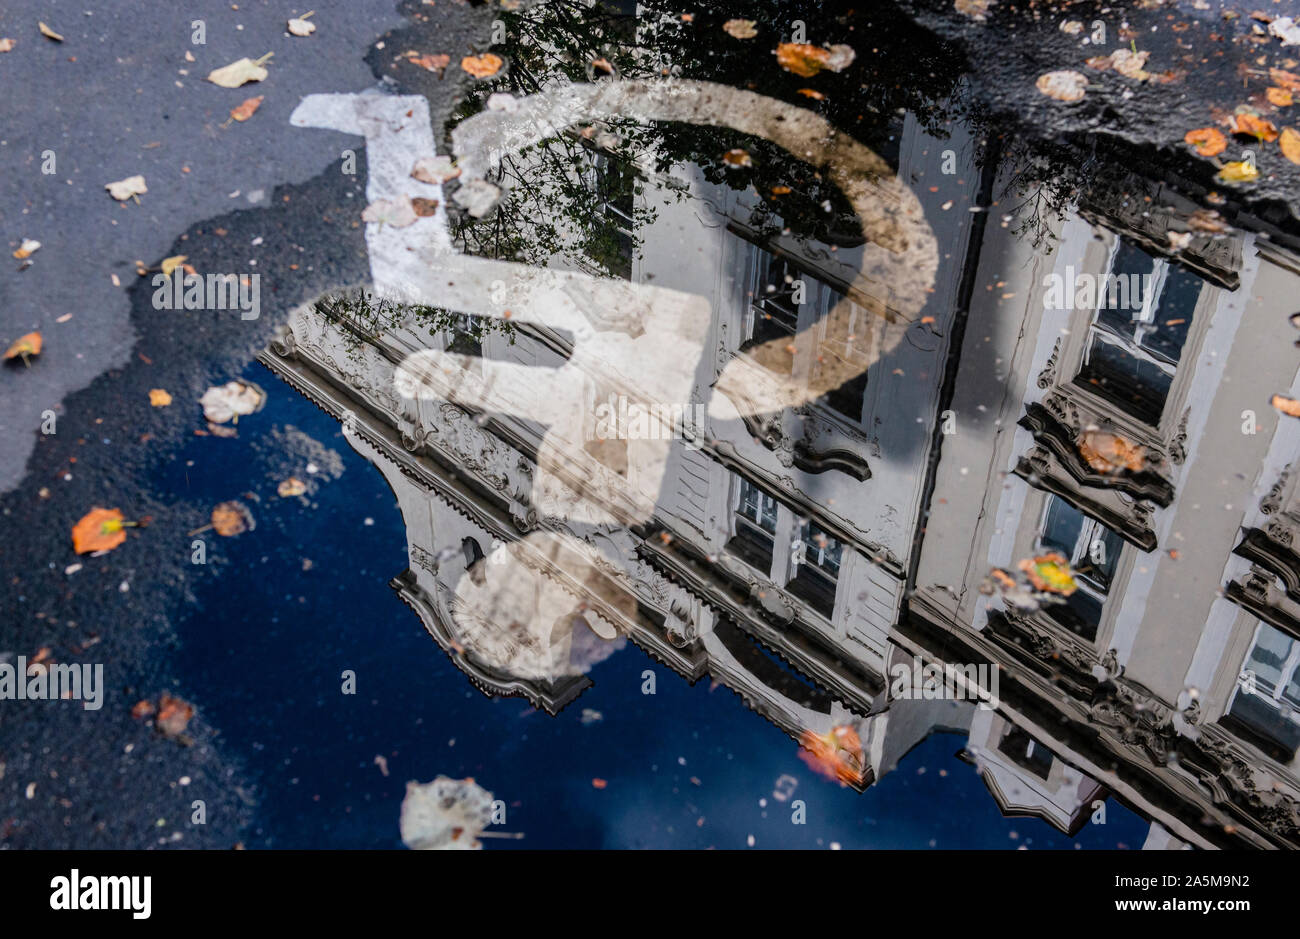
x,y
1290,144
231,518
432,62
806,60
598,783
780,190
174,715
1208,141
1253,126
482,66
159,398
737,158
1288,406
25,346
837,755
1109,453
1279,97
293,486
99,530
812,93
1283,79
246,109
142,709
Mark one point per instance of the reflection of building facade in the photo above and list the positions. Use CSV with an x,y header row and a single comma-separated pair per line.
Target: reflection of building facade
x,y
795,556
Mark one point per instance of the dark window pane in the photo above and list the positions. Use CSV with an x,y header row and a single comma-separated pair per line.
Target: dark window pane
x,y
813,588
1064,524
1027,752
1101,557
1080,614
752,546
1136,385
1124,290
1173,315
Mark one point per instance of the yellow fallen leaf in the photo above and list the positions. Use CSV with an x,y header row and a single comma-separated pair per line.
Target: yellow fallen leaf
x,y
170,264
245,110
1290,144
25,346
124,189
482,66
1238,171
48,33
159,398
240,72
27,248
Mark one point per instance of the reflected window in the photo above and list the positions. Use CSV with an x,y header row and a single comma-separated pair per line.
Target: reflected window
x,y
1093,551
775,292
784,299
754,517
1026,752
1267,697
1136,339
611,241
815,558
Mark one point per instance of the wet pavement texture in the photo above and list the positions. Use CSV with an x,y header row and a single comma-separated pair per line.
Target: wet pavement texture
x,y
828,384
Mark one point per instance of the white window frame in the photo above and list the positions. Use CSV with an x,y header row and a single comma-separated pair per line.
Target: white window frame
x,y
1287,671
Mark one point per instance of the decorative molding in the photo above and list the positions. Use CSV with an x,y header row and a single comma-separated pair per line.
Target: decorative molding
x,y
1047,377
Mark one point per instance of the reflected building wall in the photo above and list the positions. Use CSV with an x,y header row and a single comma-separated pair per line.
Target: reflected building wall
x,y
794,556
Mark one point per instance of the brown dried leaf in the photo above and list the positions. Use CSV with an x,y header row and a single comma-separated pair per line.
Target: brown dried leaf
x,y
424,207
